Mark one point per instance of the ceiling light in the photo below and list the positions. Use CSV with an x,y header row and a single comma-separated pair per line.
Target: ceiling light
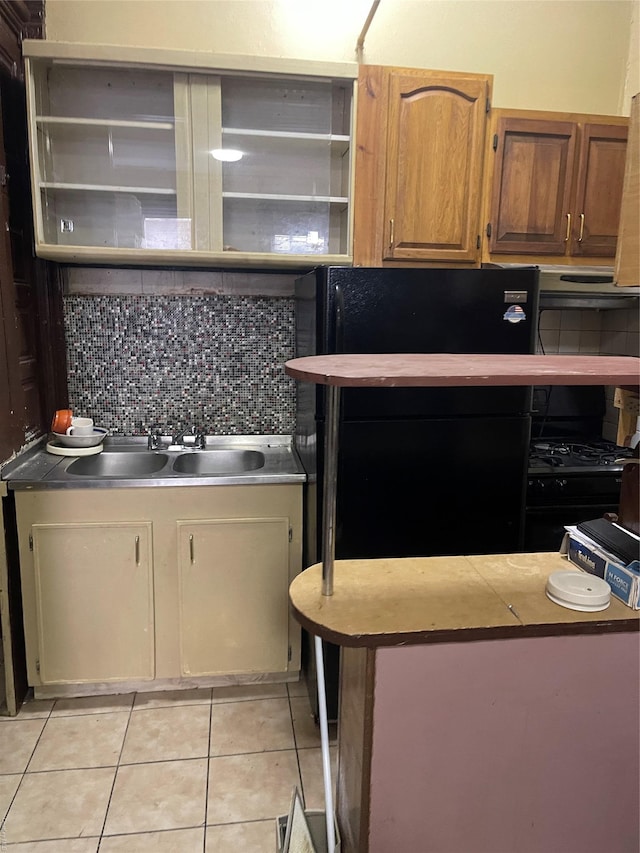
x,y
227,155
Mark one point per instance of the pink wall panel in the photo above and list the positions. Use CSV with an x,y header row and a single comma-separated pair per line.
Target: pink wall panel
x,y
508,746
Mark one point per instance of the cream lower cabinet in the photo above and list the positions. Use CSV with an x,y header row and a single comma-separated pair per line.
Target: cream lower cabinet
x,y
93,591
234,595
128,585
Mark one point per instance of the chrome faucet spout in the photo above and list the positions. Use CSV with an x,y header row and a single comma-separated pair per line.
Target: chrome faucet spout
x,y
193,440
153,439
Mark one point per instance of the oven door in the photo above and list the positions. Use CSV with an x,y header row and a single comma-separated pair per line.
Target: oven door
x,y
544,525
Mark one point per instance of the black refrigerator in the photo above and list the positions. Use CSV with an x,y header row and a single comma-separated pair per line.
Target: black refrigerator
x,y
421,472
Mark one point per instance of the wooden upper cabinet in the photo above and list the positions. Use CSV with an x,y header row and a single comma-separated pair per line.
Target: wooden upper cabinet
x,y
554,184
434,167
598,197
628,249
532,186
419,158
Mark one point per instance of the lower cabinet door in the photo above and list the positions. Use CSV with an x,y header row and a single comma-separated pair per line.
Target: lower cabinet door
x,y
94,602
234,578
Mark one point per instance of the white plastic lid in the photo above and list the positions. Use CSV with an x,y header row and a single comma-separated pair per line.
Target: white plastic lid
x,y
578,591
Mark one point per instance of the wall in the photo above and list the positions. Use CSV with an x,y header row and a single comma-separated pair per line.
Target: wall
x,y
632,82
503,745
591,332
163,348
149,348
620,336
568,55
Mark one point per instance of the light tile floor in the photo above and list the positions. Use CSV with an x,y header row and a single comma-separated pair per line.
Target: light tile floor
x,y
204,770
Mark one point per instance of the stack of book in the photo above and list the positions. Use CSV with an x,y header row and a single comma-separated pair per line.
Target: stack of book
x,y
609,551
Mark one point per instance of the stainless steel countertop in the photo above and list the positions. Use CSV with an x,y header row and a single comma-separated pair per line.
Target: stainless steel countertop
x,y
39,469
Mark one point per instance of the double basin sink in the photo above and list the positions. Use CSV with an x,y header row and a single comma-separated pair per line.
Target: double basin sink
x,y
126,461
140,463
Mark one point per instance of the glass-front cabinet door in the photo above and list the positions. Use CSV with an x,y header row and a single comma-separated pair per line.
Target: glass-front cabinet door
x,y
284,177
156,165
107,168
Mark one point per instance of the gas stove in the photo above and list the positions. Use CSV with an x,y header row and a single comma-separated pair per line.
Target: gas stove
x,y
569,480
573,474
566,456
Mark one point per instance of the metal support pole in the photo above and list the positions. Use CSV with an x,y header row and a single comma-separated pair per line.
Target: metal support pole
x,y
330,488
324,742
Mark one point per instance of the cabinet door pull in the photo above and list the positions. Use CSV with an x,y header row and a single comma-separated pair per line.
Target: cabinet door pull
x,y
581,236
191,553
391,233
568,234
137,550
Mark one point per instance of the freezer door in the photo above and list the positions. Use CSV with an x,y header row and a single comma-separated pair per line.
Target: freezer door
x,y
426,488
363,310
430,310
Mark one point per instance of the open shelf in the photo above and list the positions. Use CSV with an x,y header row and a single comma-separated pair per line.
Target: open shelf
x,y
318,199
340,142
283,227
104,122
120,218
103,188
286,166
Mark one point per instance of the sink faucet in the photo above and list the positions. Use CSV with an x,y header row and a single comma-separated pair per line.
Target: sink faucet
x,y
195,438
154,438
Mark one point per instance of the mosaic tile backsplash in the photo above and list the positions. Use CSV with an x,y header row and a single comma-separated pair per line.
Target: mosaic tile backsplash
x,y
214,362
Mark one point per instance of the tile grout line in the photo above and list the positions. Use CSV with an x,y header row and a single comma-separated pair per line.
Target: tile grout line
x,y
295,745
206,784
115,775
46,720
24,772
119,762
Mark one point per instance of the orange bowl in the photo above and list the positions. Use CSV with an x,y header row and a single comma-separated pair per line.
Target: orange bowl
x,y
61,420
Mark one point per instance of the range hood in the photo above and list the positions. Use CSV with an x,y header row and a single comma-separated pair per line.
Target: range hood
x,y
580,287
584,287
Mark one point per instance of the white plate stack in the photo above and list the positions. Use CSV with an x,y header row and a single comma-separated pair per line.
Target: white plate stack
x,y
77,445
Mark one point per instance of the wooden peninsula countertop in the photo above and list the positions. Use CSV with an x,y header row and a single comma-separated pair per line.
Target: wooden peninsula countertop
x,y
398,370
392,602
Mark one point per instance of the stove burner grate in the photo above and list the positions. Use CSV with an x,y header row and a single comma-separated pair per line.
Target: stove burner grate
x,y
560,453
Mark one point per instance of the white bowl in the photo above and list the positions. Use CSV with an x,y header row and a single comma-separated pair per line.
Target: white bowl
x,y
81,440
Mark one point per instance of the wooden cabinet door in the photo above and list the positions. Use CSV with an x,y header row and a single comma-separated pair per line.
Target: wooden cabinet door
x,y
434,166
94,602
598,197
234,606
628,248
531,194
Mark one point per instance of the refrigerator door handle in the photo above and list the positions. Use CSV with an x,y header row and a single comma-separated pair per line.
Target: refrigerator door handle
x,y
339,318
